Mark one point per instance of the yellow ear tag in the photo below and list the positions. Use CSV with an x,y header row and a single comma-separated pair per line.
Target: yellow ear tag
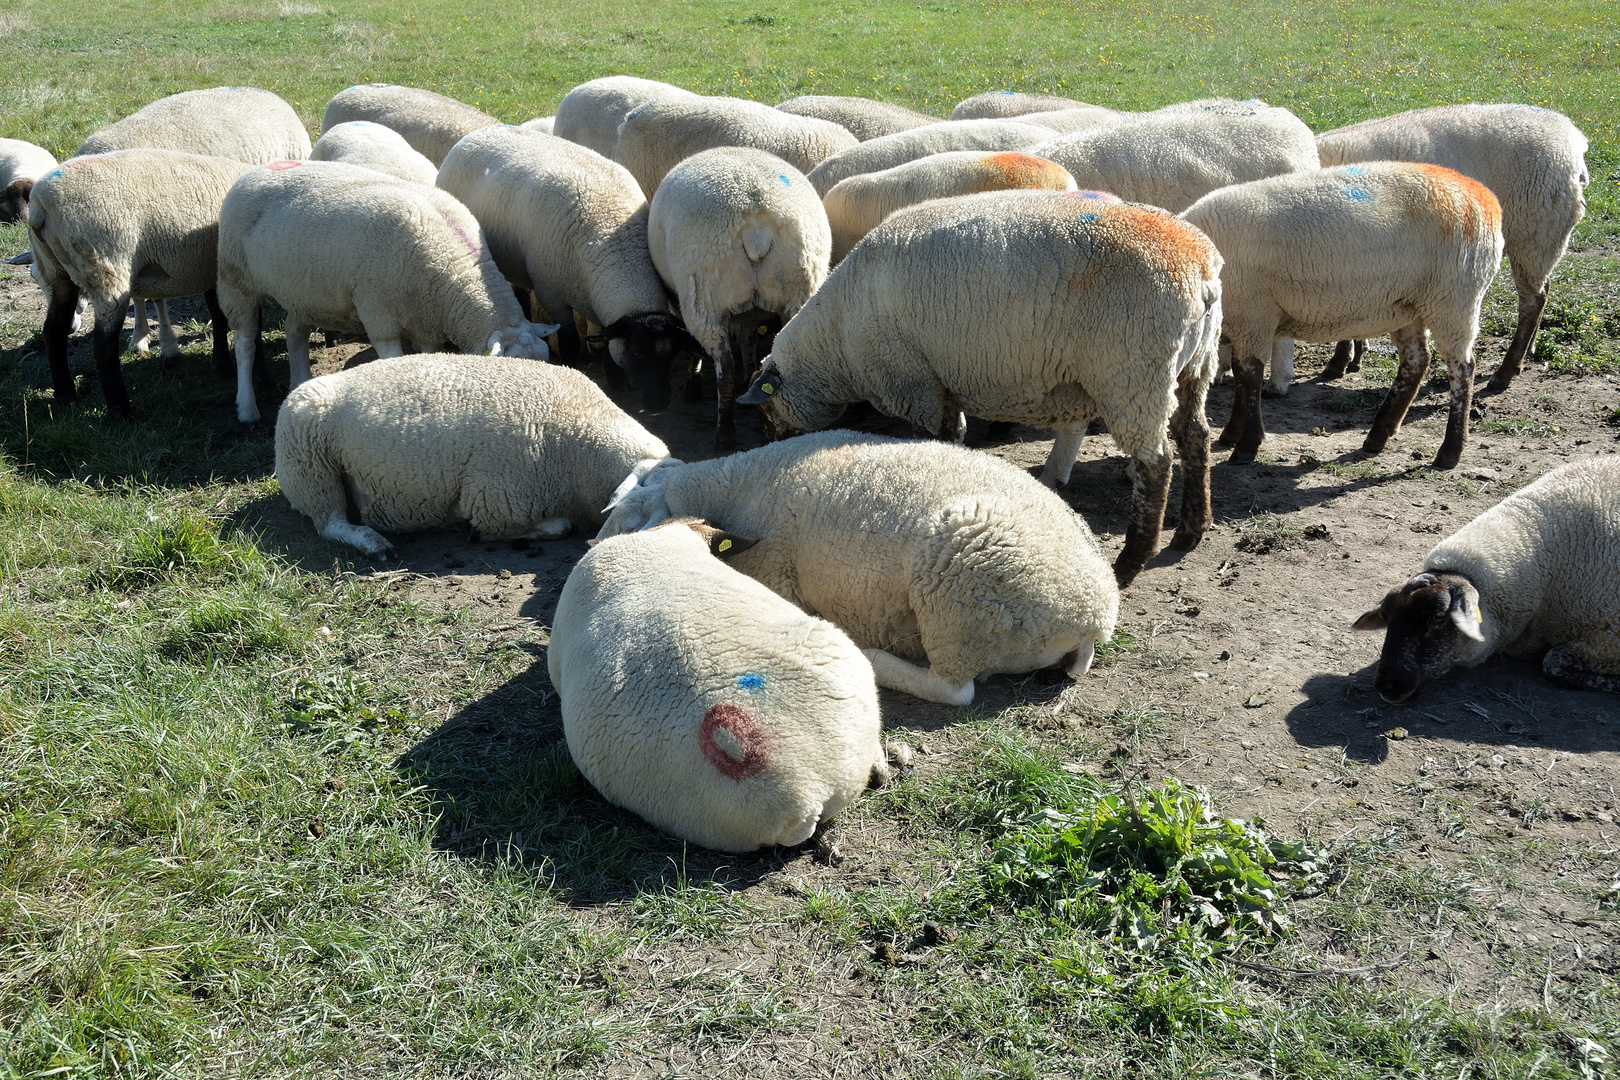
x,y
766,388
762,330
725,545
1479,618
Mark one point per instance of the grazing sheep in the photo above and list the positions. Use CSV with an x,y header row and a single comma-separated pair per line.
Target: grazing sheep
x,y
590,114
1024,306
431,123
863,118
127,224
1536,575
21,163
1068,121
570,225
1173,157
661,134
512,448
697,698
238,122
373,146
1532,159
946,564
739,235
542,124
356,250
859,204
901,147
1349,252
1001,104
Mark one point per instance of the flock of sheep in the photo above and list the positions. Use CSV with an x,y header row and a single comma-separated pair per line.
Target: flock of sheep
x,y
1031,259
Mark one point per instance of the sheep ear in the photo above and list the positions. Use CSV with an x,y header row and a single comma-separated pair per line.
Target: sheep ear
x,y
616,329
724,545
767,386
1371,620
1465,613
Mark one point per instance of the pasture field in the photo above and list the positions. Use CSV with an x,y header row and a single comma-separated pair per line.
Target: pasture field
x,y
269,810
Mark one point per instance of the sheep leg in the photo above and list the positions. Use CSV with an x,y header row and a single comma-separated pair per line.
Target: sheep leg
x,y
725,396
248,350
140,335
550,529
1150,491
1233,431
694,381
893,673
1282,368
386,350
298,350
1460,372
104,347
60,318
1251,429
1531,305
1065,449
1346,357
222,328
952,425
1414,359
369,540
1190,429
168,344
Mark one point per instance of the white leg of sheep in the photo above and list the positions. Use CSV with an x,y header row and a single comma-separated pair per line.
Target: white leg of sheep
x,y
550,529
298,350
387,350
894,673
364,537
140,338
1282,368
1065,449
245,327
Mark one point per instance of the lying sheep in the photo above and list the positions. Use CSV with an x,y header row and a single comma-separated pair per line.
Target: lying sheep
x,y
373,146
863,118
431,123
590,113
1000,104
859,204
747,725
238,122
737,234
1173,157
21,163
891,150
950,564
570,225
127,224
1350,252
959,306
512,448
1536,575
661,134
355,250
1532,159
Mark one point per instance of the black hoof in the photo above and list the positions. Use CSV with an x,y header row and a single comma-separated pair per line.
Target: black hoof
x,y
1242,456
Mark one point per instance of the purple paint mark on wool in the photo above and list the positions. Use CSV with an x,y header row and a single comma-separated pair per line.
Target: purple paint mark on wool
x,y
752,742
465,239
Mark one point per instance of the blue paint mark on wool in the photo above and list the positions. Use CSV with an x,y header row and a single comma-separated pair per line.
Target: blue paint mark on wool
x,y
785,178
1358,194
1354,170
751,681
1087,219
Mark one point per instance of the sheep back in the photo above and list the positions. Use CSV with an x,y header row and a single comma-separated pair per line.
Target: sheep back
x,y
373,146
239,122
904,146
431,123
863,118
703,702
1000,104
590,113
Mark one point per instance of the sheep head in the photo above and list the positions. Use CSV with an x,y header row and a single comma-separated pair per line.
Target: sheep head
x,y
645,347
527,340
14,200
788,412
1430,624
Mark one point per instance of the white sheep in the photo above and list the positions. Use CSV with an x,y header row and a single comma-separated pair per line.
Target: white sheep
x,y
431,123
1068,121
863,118
857,205
659,135
1532,159
901,147
570,225
21,163
1174,156
542,124
122,225
1535,576
512,448
945,564
1350,252
697,698
356,250
737,234
1001,104
1024,306
590,113
239,122
362,142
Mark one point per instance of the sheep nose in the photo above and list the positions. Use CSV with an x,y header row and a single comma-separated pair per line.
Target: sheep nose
x,y
1394,688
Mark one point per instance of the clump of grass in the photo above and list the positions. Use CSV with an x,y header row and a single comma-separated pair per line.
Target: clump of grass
x,y
1574,332
1354,400
1264,533
1121,644
1519,427
340,708
232,629
190,548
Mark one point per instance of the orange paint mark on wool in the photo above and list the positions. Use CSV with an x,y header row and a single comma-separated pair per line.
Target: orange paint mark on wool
x,y
1163,239
1012,170
1451,193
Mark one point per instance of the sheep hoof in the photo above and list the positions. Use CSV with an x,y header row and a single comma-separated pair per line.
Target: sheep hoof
x,y
1186,539
1125,571
1447,459
1272,392
1243,455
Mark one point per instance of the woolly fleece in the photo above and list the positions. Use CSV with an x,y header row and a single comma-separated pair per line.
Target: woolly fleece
x,y
1000,104
431,123
904,146
373,146
590,113
863,118
238,122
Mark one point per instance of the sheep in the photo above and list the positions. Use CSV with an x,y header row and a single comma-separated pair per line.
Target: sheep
x,y
353,249
126,224
590,113
891,150
1173,157
431,123
361,142
570,225
1347,252
511,448
863,118
700,700
1532,159
1001,104
21,163
542,124
737,234
1068,121
857,205
1536,575
946,565
1025,306
659,135
239,122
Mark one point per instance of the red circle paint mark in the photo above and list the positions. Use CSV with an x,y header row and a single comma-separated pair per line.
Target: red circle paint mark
x,y
280,166
752,739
